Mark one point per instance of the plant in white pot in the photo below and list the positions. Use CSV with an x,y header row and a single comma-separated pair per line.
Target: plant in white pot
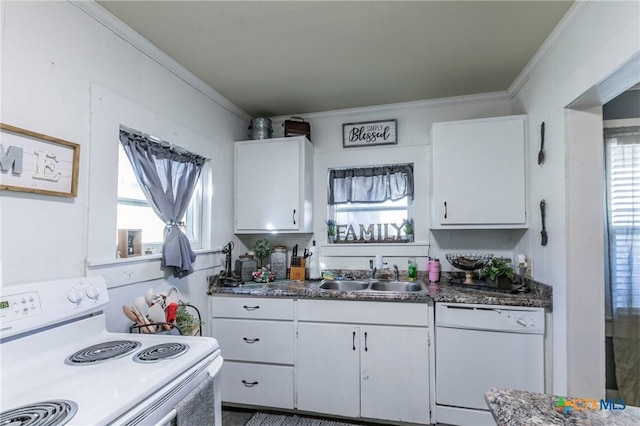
x,y
499,272
408,229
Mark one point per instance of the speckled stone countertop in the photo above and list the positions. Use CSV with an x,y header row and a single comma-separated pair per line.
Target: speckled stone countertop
x,y
537,295
513,407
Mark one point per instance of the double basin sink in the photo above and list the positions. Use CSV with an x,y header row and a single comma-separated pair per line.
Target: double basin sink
x,y
373,285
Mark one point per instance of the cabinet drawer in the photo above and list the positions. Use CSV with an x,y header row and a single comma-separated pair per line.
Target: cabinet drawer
x,y
251,308
261,341
256,384
385,313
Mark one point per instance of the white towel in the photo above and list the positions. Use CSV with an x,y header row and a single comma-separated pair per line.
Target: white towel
x,y
197,408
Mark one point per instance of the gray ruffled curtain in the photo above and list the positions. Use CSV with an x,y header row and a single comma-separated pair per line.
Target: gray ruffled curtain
x,y
623,231
167,177
370,184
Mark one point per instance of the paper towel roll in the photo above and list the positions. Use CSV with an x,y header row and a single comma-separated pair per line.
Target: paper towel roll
x,y
379,262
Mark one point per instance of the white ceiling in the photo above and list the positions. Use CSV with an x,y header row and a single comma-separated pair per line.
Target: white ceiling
x,y
275,58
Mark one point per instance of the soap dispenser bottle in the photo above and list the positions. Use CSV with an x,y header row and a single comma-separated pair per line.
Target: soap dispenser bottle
x,y
412,271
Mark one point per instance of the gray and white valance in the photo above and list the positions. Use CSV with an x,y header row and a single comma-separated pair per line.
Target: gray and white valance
x,y
370,184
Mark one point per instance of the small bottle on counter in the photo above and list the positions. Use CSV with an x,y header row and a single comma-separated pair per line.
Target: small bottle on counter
x,y
412,271
434,270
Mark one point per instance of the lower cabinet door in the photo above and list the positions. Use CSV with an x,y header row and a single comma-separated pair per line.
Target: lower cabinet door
x,y
257,384
328,369
395,373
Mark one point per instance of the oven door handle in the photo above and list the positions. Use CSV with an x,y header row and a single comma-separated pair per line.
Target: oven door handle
x,y
215,366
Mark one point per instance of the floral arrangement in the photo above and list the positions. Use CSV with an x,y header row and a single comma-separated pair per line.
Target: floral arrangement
x,y
331,227
263,276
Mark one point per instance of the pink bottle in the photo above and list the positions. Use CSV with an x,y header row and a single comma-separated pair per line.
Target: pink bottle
x,y
434,270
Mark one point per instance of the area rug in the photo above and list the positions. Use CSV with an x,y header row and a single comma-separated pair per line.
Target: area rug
x,y
263,419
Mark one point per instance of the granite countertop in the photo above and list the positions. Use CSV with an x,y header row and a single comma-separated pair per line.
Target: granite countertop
x,y
538,295
513,407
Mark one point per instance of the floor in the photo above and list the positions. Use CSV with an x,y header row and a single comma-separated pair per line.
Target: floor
x,y
235,416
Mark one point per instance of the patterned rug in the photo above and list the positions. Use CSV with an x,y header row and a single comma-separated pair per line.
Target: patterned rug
x,y
263,419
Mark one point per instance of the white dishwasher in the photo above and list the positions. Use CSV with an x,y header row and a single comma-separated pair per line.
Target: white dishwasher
x,y
484,346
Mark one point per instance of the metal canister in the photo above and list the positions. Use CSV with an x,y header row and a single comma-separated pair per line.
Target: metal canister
x,y
279,262
260,128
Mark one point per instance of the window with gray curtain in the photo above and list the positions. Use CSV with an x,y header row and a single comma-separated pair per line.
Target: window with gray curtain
x,y
370,184
167,176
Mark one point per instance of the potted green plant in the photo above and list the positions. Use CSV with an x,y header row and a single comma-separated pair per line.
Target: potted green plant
x,y
188,324
408,228
262,249
499,272
331,230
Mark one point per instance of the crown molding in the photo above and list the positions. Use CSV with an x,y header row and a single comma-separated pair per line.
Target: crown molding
x,y
559,32
428,103
119,28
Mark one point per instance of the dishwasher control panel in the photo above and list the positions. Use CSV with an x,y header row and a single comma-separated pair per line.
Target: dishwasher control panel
x,y
490,317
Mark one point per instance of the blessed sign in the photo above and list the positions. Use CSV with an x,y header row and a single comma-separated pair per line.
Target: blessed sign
x,y
369,133
33,162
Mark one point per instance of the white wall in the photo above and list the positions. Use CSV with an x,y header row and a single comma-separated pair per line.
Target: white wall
x,y
413,128
600,38
52,54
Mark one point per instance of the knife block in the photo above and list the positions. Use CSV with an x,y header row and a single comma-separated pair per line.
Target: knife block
x,y
297,273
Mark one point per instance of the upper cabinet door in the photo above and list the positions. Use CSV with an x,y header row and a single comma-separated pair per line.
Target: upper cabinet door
x,y
479,173
273,188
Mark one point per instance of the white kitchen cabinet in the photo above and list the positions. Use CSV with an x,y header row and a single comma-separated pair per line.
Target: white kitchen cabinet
x,y
365,370
257,340
479,173
274,185
328,369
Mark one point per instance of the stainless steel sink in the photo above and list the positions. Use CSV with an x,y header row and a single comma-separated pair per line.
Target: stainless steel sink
x,y
397,286
344,285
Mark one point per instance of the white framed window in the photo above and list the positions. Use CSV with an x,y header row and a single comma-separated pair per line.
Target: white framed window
x,y
135,212
623,212
370,204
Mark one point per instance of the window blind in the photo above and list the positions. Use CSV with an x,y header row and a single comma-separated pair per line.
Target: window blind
x,y
623,211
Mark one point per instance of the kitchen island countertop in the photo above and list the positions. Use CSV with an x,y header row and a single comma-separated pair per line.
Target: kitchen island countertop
x,y
514,407
537,297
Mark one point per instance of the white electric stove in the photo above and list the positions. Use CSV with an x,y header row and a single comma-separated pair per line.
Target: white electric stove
x,y
59,364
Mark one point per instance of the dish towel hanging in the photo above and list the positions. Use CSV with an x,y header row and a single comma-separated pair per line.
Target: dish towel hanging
x,y
197,408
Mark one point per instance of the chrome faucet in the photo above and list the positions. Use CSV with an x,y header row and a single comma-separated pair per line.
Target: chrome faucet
x,y
395,270
372,270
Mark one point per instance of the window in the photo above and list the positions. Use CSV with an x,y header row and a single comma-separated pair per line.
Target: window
x,y
370,204
135,212
623,211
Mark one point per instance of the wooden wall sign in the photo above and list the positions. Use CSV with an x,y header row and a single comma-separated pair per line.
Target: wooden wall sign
x,y
370,133
37,163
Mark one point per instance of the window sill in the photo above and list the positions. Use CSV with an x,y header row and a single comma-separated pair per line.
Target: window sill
x,y
94,263
373,249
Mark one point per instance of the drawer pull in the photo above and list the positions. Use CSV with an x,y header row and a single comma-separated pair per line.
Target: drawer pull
x,y
247,340
249,384
251,308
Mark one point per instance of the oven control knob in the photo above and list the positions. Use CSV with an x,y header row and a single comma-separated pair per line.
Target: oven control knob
x,y
521,322
75,295
92,292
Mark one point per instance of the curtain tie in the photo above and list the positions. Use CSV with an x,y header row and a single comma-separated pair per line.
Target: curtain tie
x,y
172,223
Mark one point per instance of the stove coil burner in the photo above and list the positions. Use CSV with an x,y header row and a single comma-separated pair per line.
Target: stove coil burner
x,y
103,352
160,352
46,413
